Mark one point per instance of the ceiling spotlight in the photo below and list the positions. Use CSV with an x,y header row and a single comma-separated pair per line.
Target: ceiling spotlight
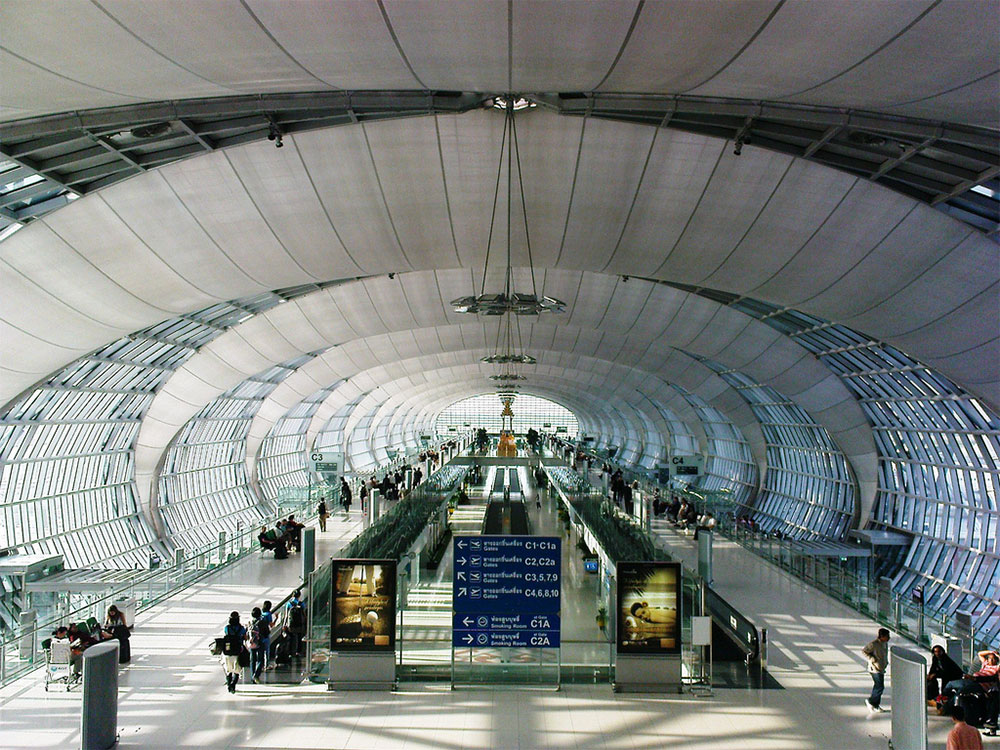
x,y
392,275
624,279
274,134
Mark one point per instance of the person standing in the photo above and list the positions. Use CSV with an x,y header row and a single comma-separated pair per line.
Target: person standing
x,y
877,653
962,736
323,514
259,631
345,495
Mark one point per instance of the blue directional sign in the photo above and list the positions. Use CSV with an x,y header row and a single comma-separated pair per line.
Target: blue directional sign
x,y
521,630
506,591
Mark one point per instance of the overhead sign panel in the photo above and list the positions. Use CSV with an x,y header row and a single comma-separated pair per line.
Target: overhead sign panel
x,y
506,591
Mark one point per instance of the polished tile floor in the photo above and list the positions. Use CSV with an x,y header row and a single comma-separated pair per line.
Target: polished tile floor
x,y
172,694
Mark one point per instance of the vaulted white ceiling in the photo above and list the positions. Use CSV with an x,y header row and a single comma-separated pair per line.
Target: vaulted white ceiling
x,y
926,58
412,197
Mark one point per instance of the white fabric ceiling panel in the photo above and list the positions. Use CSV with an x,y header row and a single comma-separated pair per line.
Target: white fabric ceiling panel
x,y
777,359
290,319
922,60
221,368
109,63
865,216
970,339
324,315
218,200
975,103
389,301
470,148
680,166
695,314
738,191
678,45
910,250
460,47
963,273
404,343
575,43
47,318
588,341
817,42
414,189
752,344
151,209
50,263
30,89
563,285
548,148
339,163
218,41
722,331
806,196
93,229
281,190
422,294
359,311
239,354
342,43
610,167
591,303
270,343
23,361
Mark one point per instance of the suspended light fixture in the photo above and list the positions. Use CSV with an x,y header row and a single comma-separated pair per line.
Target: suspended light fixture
x,y
509,300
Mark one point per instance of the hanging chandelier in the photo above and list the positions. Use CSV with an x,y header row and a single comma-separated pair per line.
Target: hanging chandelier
x,y
509,300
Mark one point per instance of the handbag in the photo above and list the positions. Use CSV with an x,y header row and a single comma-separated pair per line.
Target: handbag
x,y
243,658
215,647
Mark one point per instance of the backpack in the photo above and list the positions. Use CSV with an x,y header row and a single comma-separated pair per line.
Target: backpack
x,y
232,643
297,617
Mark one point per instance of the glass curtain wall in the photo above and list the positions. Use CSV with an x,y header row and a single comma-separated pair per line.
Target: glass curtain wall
x,y
66,446
529,411
730,466
282,452
939,461
203,487
808,490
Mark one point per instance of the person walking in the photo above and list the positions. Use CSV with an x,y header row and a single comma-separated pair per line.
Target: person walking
x,y
259,632
323,514
877,653
232,646
962,736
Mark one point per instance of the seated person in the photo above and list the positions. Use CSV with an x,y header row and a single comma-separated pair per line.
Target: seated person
x,y
941,671
267,539
705,523
293,532
79,640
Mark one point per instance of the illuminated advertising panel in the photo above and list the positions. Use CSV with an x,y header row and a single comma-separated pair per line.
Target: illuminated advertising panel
x,y
649,608
364,605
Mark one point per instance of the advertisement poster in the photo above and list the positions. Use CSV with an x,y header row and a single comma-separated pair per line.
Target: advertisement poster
x,y
364,605
649,608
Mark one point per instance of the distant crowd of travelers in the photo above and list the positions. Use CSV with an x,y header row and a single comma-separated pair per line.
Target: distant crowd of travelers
x,y
286,534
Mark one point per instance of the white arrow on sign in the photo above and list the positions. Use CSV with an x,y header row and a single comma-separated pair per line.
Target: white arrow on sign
x,y
460,561
460,575
467,621
460,544
468,639
463,592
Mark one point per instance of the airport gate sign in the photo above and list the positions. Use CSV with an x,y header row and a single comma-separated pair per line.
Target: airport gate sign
x,y
506,591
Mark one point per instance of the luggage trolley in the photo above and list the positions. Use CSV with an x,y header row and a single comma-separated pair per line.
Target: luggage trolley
x,y
57,662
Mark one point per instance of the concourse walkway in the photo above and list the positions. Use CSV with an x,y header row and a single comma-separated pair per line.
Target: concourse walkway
x,y
172,694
